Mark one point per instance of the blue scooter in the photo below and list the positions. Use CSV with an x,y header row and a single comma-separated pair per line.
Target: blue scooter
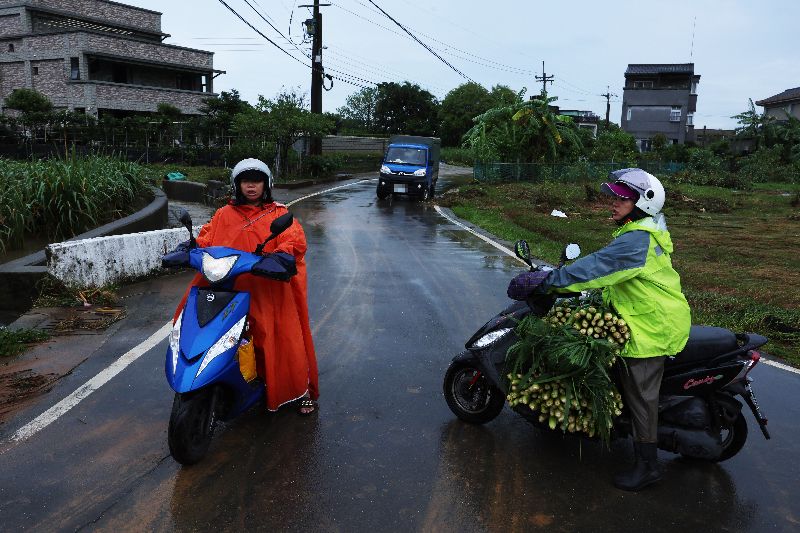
x,y
202,365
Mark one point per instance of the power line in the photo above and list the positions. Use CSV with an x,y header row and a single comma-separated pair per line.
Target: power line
x,y
428,48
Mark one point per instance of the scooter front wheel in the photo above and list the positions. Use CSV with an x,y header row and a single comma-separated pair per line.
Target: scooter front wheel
x,y
191,425
470,396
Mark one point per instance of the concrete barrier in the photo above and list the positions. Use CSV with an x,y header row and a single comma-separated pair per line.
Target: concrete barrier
x,y
102,260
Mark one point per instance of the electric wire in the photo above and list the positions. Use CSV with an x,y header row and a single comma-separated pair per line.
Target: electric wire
x,y
443,60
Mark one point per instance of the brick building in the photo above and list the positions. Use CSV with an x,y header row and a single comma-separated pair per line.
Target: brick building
x,y
99,57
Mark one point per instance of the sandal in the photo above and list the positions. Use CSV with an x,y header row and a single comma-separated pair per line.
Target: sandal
x,y
306,403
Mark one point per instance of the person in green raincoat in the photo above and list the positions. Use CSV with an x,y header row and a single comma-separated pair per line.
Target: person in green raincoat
x,y
638,281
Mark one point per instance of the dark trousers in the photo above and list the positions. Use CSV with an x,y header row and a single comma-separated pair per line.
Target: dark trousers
x,y
641,381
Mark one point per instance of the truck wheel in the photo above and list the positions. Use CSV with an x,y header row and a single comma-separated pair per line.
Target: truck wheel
x,y
470,395
191,425
382,195
433,189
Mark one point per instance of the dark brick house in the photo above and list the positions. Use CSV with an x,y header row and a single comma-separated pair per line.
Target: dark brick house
x,y
660,98
98,57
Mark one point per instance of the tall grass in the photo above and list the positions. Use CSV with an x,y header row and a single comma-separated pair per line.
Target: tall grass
x,y
61,198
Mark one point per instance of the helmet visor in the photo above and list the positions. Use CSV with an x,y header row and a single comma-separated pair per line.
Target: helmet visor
x,y
620,190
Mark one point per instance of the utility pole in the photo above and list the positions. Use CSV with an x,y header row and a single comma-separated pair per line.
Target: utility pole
x,y
608,96
314,27
545,79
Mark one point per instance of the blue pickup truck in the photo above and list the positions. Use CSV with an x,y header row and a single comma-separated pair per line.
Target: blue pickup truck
x,y
410,166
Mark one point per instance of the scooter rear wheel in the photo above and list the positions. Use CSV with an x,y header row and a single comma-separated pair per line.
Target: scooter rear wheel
x,y
470,395
191,425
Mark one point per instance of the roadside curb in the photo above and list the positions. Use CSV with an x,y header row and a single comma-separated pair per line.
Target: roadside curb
x,y
19,278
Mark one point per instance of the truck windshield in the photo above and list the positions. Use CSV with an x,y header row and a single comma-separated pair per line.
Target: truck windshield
x,y
408,156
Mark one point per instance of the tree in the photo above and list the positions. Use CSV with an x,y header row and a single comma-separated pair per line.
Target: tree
x,y
359,110
221,109
753,125
406,109
280,122
458,110
613,144
526,131
28,101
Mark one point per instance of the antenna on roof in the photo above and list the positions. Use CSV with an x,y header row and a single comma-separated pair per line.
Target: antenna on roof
x,y
691,50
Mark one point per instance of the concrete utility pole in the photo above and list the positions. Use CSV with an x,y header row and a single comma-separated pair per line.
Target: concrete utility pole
x,y
608,96
317,73
545,79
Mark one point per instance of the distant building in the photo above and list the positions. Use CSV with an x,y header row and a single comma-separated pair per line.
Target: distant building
x,y
782,105
660,98
99,57
583,119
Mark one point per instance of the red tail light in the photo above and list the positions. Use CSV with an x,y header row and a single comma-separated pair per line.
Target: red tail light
x,y
755,357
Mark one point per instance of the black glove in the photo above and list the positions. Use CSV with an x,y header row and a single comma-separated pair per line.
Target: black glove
x,y
185,246
277,265
525,284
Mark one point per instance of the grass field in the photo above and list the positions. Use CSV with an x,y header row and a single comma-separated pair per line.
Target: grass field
x,y
738,253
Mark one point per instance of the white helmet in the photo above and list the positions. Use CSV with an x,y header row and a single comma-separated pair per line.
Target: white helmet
x,y
651,192
251,166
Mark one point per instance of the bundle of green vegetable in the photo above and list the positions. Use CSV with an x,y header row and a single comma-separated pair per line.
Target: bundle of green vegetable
x,y
560,366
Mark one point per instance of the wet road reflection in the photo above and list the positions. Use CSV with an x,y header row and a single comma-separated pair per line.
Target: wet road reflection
x,y
395,290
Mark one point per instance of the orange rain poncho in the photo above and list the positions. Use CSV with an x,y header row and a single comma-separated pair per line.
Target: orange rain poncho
x,y
278,310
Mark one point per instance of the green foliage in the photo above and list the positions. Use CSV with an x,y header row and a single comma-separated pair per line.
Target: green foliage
x,y
526,131
15,342
358,113
61,198
459,109
457,156
28,101
764,165
406,109
613,144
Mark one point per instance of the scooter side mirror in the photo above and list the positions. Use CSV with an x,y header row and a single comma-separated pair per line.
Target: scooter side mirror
x,y
278,226
572,251
186,219
523,251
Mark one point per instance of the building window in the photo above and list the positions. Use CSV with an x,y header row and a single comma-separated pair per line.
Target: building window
x,y
35,71
689,119
643,84
629,113
74,68
10,47
645,145
694,87
675,114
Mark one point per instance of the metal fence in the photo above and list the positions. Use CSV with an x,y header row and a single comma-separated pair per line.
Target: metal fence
x,y
583,170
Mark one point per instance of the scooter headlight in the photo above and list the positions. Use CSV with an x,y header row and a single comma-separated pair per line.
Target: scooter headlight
x,y
175,342
225,343
420,172
491,337
216,269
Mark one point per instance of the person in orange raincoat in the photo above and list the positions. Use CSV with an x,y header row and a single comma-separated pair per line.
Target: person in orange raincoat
x,y
279,324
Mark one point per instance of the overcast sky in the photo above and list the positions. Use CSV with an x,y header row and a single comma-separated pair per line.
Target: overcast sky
x,y
741,49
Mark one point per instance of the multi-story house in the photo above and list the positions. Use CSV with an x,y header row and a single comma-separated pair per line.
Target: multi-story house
x,y
783,105
99,57
660,98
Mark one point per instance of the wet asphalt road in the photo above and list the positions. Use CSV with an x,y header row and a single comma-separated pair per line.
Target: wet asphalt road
x,y
394,290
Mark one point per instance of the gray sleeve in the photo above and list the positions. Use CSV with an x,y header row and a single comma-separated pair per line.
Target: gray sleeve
x,y
607,266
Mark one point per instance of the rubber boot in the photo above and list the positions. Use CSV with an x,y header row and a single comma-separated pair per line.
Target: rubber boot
x,y
645,469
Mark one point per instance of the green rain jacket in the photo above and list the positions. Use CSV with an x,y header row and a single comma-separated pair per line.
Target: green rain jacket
x,y
635,271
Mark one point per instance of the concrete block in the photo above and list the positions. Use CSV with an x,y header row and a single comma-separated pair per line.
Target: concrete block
x,y
102,260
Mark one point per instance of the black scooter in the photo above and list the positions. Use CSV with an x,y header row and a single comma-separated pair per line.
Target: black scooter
x,y
699,414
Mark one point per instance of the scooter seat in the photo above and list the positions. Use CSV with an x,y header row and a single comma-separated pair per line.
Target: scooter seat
x,y
705,342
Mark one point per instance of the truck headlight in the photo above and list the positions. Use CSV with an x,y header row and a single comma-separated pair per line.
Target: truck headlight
x,y
385,170
420,172
491,338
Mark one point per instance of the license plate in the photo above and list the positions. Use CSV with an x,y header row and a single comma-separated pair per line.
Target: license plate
x,y
400,187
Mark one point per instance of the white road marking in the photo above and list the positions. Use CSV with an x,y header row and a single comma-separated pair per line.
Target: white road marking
x,y
49,416
52,414
482,237
509,252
